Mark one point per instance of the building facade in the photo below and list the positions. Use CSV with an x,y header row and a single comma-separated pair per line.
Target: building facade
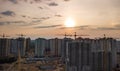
x,y
55,46
91,55
13,47
78,56
4,47
21,46
40,46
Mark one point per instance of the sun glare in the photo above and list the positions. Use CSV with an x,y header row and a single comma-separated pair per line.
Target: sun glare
x,y
69,23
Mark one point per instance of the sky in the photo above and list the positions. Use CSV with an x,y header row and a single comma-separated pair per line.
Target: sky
x,y
46,18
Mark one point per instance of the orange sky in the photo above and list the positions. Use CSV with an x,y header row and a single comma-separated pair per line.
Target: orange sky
x,y
46,18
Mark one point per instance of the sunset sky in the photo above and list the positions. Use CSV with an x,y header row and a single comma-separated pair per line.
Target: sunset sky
x,y
47,18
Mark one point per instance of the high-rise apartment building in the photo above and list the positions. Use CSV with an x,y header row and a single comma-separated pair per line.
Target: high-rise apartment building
x,y
78,56
4,47
91,55
21,46
55,46
40,46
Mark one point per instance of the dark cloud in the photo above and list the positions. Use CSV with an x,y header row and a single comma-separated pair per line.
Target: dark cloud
x,y
3,23
8,13
36,21
31,2
53,4
40,7
23,16
58,15
42,18
33,22
37,1
25,0
50,26
14,1
66,0
45,18
35,18
12,22
18,22
48,0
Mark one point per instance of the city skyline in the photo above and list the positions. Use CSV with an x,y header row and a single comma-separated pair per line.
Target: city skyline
x,y
47,18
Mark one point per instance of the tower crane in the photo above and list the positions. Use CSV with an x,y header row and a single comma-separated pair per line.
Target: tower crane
x,y
65,35
75,35
4,36
105,53
20,35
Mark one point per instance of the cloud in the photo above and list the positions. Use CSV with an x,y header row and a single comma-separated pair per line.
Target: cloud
x,y
66,0
40,7
35,18
18,22
53,4
92,27
37,1
42,18
117,25
107,28
3,23
23,16
50,26
13,1
36,21
30,1
25,0
8,13
12,22
45,18
83,27
58,15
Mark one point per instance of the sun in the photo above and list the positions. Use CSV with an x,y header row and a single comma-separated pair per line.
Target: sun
x,y
69,22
